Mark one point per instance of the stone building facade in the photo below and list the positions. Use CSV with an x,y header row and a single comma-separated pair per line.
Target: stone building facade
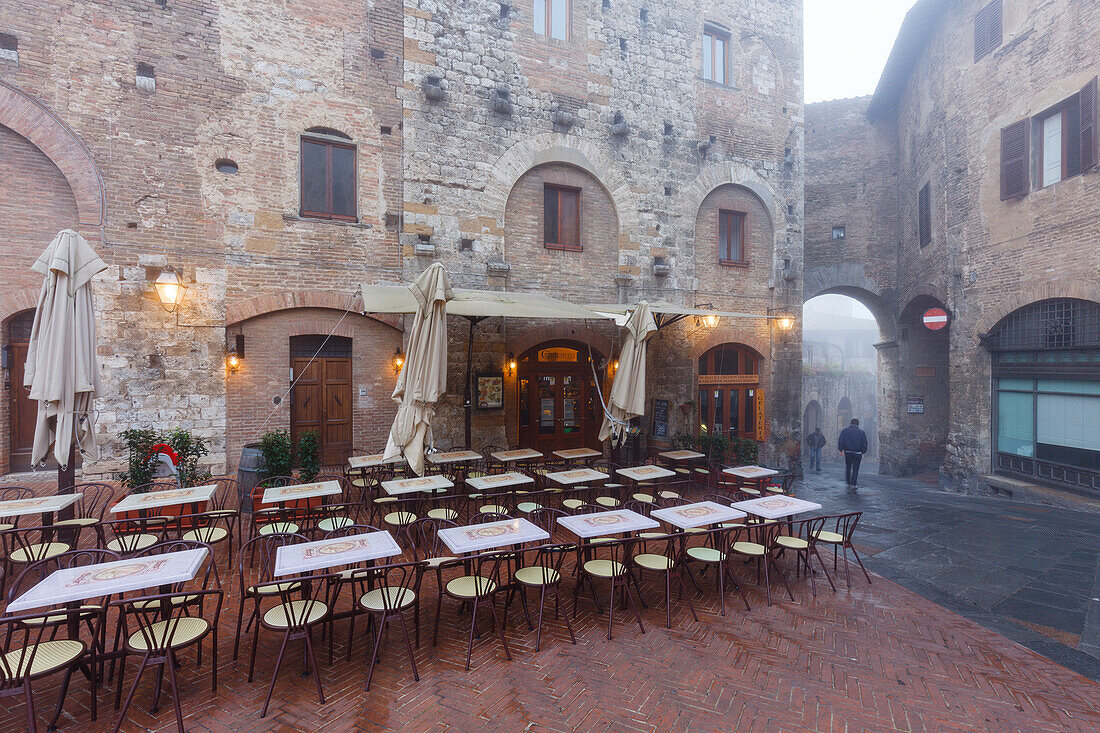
x,y
186,135
939,182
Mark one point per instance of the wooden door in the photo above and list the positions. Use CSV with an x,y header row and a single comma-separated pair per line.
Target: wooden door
x,y
22,411
559,410
321,402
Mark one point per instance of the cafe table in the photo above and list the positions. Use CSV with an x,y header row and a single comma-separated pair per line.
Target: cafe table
x,y
776,507
415,484
373,460
647,472
44,505
172,497
700,514
682,455
601,524
491,535
576,476
86,582
499,481
757,475
577,454
454,456
307,557
519,454
282,494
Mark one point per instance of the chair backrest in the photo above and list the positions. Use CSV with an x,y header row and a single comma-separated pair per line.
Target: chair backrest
x,y
721,499
208,577
350,530
129,532
486,517
485,564
158,617
421,537
639,507
270,482
549,558
589,509
228,494
33,543
22,636
669,501
94,498
11,493
398,577
299,599
546,518
38,570
845,524
257,556
155,486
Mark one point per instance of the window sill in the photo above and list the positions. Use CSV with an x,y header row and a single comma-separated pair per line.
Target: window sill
x,y
716,84
564,247
734,263
322,220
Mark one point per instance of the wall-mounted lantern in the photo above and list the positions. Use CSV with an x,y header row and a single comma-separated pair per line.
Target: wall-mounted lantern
x,y
510,362
169,287
234,353
398,360
782,318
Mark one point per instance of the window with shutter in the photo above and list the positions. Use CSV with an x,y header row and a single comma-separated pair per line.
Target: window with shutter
x,y
1015,164
731,238
1088,126
924,215
987,30
561,220
327,178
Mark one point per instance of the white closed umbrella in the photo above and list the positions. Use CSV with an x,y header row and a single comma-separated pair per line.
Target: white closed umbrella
x,y
62,371
627,397
423,377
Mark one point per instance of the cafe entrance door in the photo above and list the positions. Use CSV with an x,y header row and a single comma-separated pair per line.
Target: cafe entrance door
x,y
559,406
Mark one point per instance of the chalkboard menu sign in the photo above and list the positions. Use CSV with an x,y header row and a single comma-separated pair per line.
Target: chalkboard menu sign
x,y
660,418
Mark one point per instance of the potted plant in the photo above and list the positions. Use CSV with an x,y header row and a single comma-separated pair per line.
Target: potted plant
x,y
309,456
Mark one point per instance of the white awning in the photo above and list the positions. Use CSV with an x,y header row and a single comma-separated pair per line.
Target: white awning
x,y
659,307
476,303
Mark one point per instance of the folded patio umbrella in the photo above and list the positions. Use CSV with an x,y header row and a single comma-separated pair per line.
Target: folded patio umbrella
x,y
627,396
423,377
61,369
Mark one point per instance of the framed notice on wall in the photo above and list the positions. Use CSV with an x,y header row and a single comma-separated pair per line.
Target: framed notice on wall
x,y
660,418
490,391
761,416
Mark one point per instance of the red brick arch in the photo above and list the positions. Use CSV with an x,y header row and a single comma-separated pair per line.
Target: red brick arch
x,y
30,117
597,337
17,301
272,302
1080,289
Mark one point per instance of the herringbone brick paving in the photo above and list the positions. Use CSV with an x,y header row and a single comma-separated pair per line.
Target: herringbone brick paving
x,y
874,658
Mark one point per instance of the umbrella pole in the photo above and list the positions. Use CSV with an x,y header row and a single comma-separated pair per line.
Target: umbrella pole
x,y
469,361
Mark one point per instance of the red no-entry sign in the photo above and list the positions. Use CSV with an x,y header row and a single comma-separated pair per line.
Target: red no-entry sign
x,y
934,319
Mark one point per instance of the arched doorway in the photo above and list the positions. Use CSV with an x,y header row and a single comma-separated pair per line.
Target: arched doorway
x,y
321,398
557,402
729,386
22,411
843,414
811,421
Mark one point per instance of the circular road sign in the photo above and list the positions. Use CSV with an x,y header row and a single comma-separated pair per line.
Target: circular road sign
x,y
934,319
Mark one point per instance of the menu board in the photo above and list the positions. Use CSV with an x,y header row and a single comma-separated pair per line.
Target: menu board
x,y
660,418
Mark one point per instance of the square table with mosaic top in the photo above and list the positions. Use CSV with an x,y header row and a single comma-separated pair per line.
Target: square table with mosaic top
x,y
86,582
44,505
499,481
601,524
519,454
577,454
682,455
645,473
372,461
170,497
491,535
750,472
454,456
280,494
310,556
700,514
577,476
776,507
416,483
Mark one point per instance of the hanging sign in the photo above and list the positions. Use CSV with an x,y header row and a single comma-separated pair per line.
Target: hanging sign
x,y
761,417
934,319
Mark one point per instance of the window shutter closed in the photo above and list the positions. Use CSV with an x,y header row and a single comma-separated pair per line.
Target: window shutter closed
x,y
987,29
1015,146
980,35
1088,126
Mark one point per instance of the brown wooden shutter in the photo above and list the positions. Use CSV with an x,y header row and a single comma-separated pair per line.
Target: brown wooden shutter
x,y
980,35
993,26
1088,126
1015,156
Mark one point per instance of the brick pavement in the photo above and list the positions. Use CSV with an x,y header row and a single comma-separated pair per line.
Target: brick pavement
x,y
874,658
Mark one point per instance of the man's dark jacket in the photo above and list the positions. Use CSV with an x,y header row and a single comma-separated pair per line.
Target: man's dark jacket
x,y
852,440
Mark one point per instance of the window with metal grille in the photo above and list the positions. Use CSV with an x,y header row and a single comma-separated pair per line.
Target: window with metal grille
x,y
307,347
1057,323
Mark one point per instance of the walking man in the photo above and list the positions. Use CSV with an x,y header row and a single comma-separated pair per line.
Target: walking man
x,y
816,441
853,444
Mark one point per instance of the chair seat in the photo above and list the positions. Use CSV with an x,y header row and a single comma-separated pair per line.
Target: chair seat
x,y
747,490
668,494
706,554
209,535
607,501
703,471
132,542
449,514
537,575
650,535
434,562
731,525
278,528
604,568
385,500
222,513
330,523
47,656
471,586
295,613
38,551
650,561
792,543
493,509
647,498
74,522
682,471
390,598
528,506
360,482
57,618
176,601
834,538
748,548
6,526
173,633
571,503
399,519
273,590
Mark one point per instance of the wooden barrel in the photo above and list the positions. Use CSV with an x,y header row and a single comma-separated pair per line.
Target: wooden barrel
x,y
249,470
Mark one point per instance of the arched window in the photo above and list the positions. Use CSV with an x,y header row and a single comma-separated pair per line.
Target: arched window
x,y
729,382
328,187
